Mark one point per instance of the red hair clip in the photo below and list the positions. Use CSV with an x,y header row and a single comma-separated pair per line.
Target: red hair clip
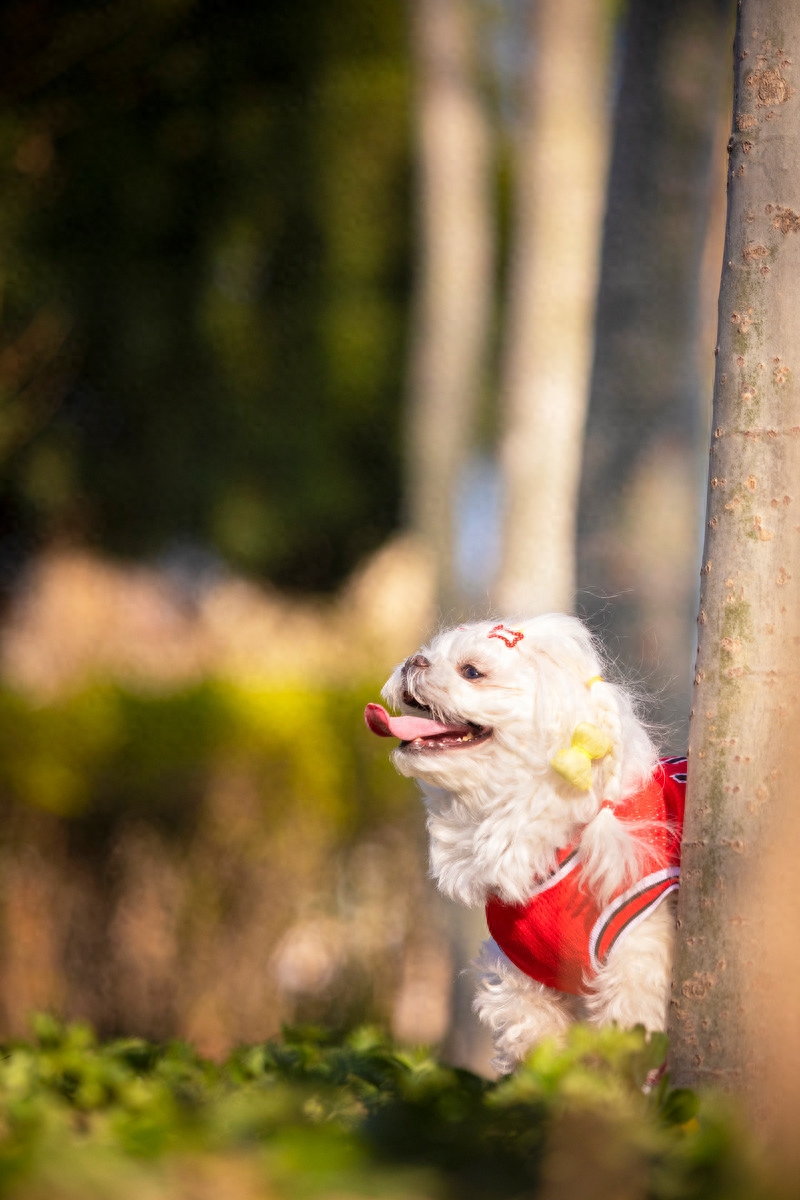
x,y
513,636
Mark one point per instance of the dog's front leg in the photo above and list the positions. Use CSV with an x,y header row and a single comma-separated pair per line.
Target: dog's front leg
x,y
633,987
519,1011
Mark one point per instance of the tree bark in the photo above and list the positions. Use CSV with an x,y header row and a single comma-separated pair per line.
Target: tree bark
x,y
641,493
454,284
741,796
561,164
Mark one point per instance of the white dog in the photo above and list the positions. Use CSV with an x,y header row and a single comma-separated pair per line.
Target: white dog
x,y
546,803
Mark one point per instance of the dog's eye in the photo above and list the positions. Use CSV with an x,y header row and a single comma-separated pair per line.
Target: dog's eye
x,y
470,672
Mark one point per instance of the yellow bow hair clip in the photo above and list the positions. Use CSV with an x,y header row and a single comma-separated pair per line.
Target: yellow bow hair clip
x,y
574,763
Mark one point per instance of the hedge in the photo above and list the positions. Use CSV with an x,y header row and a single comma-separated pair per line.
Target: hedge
x,y
315,1115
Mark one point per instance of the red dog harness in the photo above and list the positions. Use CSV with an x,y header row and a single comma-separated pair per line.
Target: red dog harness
x,y
560,936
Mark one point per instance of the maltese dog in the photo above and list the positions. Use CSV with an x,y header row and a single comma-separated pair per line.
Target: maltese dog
x,y
546,803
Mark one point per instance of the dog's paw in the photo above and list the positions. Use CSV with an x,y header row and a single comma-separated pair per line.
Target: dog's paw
x,y
519,1011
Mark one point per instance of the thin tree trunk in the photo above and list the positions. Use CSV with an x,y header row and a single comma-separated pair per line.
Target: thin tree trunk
x,y
741,796
453,308
561,165
454,287
641,501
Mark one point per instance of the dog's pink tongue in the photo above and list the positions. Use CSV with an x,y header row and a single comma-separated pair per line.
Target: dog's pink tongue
x,y
405,728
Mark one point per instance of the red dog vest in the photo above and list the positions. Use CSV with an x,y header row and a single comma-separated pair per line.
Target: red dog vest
x,y
560,936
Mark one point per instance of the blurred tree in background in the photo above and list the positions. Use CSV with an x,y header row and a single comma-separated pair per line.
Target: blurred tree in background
x,y
642,502
204,237
559,169
454,299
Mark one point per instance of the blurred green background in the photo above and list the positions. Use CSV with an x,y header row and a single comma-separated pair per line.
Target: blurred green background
x,y
260,273
213,262
204,238
204,235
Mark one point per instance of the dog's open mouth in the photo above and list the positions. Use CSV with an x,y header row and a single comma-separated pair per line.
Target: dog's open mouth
x,y
423,733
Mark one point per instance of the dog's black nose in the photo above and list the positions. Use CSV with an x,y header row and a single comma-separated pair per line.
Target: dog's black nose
x,y
419,660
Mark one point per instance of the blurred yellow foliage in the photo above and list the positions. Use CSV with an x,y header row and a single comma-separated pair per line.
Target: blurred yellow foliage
x,y
210,861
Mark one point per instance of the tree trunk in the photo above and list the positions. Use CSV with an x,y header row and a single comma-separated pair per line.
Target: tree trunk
x,y
453,307
454,285
741,795
560,166
641,501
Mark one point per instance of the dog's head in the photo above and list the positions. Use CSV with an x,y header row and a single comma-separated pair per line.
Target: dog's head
x,y
488,711
491,697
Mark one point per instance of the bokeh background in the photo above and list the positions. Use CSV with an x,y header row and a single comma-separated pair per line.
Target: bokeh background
x,y
321,324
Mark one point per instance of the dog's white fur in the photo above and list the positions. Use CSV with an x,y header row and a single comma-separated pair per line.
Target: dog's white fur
x,y
498,813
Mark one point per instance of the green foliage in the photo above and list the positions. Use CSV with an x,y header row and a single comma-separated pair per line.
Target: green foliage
x,y
113,752
314,1115
203,228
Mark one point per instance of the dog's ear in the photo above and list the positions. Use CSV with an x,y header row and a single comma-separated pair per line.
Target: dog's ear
x,y
573,692
611,849
611,853
570,689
